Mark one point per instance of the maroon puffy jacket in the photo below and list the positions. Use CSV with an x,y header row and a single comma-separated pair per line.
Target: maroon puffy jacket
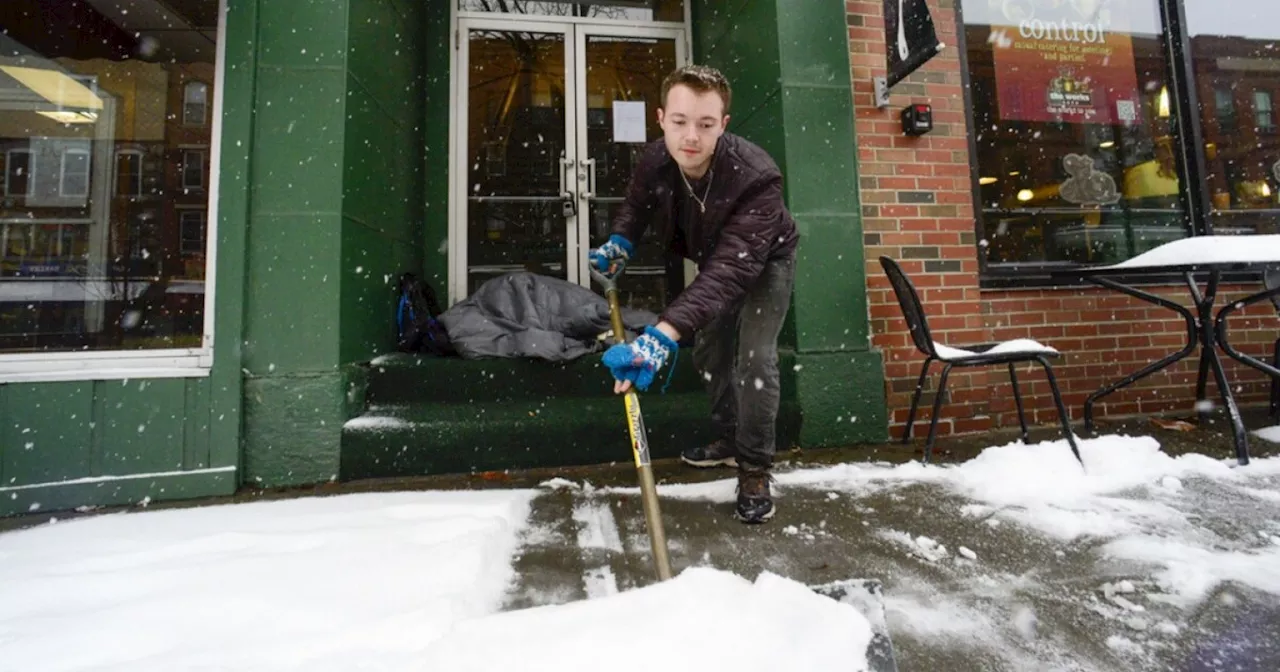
x,y
746,224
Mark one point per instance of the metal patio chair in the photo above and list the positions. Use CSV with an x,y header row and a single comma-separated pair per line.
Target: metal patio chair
x,y
1008,353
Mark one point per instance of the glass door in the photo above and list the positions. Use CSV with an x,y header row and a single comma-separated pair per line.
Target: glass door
x,y
514,163
550,121
619,91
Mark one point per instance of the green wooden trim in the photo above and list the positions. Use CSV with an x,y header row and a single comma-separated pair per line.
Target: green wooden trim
x,y
226,380
435,133
116,490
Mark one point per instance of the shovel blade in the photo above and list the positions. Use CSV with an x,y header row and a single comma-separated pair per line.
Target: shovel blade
x,y
865,595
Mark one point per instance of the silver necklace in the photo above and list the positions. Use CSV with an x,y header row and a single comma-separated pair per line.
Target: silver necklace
x,y
702,202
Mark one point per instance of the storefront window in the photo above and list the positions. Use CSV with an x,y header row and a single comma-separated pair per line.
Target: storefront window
x,y
617,10
1236,64
105,134
1074,129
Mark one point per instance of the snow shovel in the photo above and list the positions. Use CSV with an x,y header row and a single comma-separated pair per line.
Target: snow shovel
x,y
865,596
639,442
862,594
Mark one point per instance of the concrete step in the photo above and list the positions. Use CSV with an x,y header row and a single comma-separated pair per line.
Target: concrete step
x,y
396,440
401,378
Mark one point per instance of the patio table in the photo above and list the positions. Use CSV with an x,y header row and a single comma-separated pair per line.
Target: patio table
x,y
1205,257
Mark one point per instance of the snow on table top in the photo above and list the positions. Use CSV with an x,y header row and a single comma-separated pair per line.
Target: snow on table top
x,y
1208,250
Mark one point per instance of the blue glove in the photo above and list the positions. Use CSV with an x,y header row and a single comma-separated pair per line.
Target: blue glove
x,y
611,257
640,360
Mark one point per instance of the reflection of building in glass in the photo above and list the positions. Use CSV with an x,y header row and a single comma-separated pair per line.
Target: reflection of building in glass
x,y
1237,80
105,140
1024,168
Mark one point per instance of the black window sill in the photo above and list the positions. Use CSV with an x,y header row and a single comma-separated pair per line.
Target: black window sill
x,y
1040,279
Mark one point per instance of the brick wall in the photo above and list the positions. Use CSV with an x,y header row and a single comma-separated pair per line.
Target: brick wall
x,y
917,208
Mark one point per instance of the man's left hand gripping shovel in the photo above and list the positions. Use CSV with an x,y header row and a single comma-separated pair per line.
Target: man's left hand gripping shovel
x,y
639,441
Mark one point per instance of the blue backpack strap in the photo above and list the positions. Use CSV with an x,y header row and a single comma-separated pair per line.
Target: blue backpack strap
x,y
404,307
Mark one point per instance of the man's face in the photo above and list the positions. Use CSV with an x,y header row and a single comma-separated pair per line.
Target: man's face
x,y
691,124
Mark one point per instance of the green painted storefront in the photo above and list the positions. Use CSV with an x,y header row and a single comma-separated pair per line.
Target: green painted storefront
x,y
333,180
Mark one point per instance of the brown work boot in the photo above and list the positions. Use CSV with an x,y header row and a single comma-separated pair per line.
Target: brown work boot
x,y
719,453
755,501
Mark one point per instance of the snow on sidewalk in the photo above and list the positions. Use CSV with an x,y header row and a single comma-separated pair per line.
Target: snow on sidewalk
x,y
351,582
416,580
1131,493
692,623
402,581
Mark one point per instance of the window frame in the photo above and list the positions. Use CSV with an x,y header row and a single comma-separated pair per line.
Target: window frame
x,y
193,362
136,184
62,171
1260,95
204,107
203,223
31,165
1189,153
203,155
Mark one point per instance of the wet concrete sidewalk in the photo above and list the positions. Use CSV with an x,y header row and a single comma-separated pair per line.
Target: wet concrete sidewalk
x,y
1018,600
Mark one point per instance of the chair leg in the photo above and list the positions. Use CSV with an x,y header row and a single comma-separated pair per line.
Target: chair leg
x,y
937,406
1062,410
1017,399
1275,386
915,400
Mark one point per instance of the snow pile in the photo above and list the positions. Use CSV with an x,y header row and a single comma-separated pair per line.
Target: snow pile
x,y
692,623
385,581
323,583
1130,495
1271,434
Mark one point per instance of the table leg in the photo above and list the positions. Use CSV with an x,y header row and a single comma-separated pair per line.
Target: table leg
x,y
1150,368
1237,423
1209,352
1204,313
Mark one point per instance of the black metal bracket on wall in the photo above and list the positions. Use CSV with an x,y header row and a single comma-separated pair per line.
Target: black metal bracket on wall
x,y
881,91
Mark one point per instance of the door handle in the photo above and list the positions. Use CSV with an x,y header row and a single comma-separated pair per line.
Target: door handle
x,y
565,165
589,166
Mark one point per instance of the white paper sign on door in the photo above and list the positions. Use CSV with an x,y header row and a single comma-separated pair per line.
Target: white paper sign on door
x,y
628,121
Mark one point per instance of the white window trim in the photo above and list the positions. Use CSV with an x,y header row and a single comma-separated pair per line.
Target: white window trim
x,y
129,364
204,107
62,172
1263,110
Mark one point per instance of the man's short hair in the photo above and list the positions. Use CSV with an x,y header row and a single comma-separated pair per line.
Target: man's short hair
x,y
701,79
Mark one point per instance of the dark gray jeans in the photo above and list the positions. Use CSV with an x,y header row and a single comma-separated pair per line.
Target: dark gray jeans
x,y
737,356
